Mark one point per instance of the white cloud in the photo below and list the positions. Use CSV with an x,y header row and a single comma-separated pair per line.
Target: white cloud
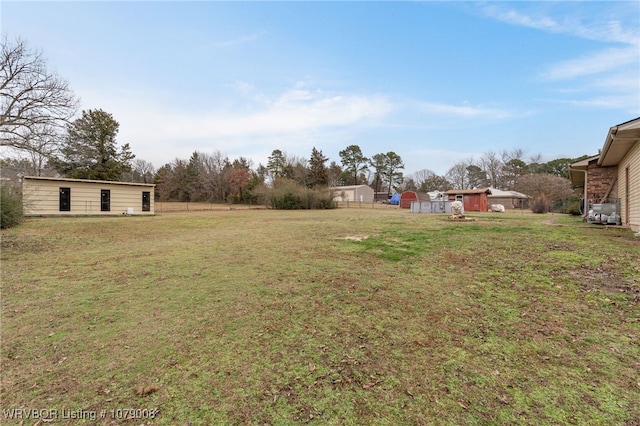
x,y
606,78
287,120
595,63
601,29
513,17
464,111
293,111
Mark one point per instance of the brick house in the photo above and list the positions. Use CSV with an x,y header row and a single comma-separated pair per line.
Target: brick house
x,y
601,184
613,176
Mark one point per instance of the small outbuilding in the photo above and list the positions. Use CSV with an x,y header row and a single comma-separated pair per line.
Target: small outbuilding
x,y
406,198
357,193
474,200
509,199
48,196
409,197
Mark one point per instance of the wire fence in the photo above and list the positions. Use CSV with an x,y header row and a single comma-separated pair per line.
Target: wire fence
x,y
365,205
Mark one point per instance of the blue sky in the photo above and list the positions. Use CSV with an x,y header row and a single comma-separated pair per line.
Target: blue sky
x,y
435,82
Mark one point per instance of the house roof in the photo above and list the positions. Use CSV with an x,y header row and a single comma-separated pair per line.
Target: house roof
x,y
469,191
344,188
103,182
619,141
577,169
498,193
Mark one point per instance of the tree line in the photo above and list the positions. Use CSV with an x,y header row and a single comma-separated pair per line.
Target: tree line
x,y
38,126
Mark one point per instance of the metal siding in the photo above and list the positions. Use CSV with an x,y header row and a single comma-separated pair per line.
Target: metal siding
x,y
366,192
631,160
41,197
475,202
406,198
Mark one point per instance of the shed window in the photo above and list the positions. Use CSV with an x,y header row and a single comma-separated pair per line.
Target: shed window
x,y
65,199
146,201
105,200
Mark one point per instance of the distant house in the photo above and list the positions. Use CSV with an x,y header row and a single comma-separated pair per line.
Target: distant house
x,y
382,196
474,200
358,193
509,199
47,196
613,176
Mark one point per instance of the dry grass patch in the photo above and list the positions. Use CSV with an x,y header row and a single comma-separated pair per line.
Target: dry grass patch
x,y
269,317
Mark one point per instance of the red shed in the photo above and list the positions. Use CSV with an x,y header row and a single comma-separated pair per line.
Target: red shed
x,y
407,197
475,200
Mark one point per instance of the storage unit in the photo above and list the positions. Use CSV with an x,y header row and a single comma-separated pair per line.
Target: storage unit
x,y
46,196
474,200
358,193
440,206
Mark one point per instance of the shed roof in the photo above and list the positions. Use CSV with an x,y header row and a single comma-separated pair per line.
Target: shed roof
x,y
420,196
103,182
499,193
469,191
347,187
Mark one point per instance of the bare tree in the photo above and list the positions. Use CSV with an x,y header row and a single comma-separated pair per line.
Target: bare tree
x,y
36,161
35,104
514,167
457,174
296,168
143,171
422,176
216,169
545,190
492,166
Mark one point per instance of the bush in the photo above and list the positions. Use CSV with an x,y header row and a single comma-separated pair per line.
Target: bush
x,y
571,206
539,205
10,206
287,195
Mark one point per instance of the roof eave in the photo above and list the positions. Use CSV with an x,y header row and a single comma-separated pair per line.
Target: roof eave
x,y
607,145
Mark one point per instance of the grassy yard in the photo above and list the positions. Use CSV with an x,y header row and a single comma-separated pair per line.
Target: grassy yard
x,y
348,316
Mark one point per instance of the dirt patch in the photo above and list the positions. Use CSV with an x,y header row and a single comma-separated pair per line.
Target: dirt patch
x,y
354,237
605,279
25,244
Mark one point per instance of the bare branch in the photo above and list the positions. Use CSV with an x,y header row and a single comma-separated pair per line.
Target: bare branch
x,y
31,98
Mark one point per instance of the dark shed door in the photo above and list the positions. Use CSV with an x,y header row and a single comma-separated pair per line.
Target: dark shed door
x,y
105,200
65,199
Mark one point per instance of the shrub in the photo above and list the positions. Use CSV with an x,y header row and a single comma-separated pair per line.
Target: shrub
x,y
572,206
285,194
548,191
10,206
539,205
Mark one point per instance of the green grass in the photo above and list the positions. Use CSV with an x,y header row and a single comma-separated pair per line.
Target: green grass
x,y
349,316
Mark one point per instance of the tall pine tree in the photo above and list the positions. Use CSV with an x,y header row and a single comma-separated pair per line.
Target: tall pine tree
x,y
354,161
90,150
318,173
